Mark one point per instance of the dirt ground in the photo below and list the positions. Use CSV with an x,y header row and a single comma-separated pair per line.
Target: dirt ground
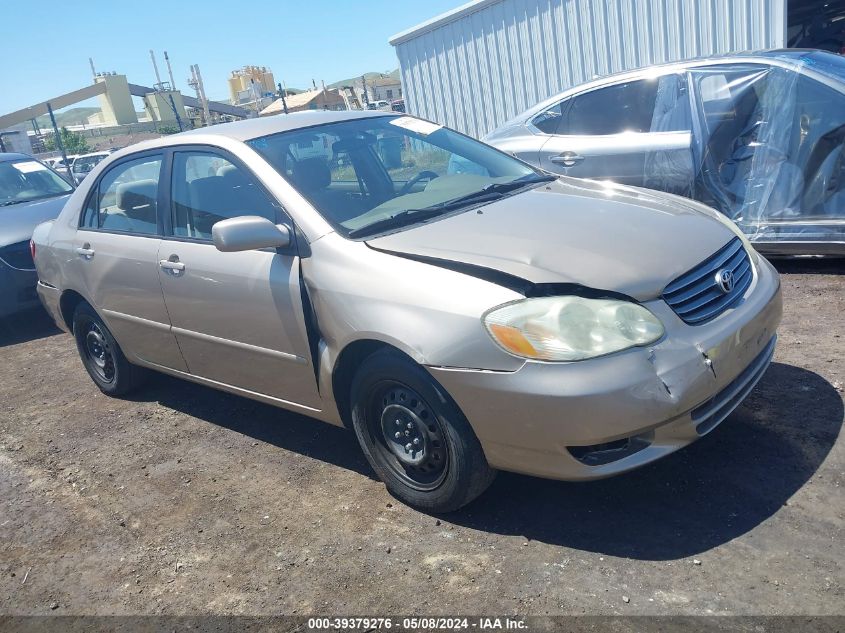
x,y
185,500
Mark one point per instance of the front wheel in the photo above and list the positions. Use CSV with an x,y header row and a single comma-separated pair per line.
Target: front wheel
x,y
414,436
101,355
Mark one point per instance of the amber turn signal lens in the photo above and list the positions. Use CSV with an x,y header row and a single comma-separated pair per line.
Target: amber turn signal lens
x,y
512,339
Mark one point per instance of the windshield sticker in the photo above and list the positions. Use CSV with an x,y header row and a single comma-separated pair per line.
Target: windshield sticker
x,y
415,125
29,166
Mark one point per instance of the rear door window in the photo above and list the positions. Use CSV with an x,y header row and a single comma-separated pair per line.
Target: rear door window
x,y
125,199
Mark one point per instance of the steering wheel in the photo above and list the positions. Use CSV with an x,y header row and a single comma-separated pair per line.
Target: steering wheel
x,y
423,175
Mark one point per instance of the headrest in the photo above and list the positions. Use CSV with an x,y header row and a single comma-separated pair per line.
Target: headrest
x,y
312,174
232,176
138,193
226,170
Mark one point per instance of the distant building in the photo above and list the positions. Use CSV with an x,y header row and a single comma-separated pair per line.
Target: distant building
x,y
15,139
250,83
384,88
116,104
323,99
163,106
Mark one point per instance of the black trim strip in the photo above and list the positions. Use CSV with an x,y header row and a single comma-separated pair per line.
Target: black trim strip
x,y
528,289
312,329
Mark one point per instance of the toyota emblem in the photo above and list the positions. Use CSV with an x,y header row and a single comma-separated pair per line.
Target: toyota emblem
x,y
725,280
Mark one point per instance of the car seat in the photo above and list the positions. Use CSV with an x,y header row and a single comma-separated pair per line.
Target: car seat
x,y
137,205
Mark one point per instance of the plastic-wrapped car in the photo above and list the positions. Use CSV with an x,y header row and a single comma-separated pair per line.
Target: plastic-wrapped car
x,y
759,137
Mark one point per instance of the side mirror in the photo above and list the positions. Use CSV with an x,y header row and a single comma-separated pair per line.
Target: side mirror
x,y
247,233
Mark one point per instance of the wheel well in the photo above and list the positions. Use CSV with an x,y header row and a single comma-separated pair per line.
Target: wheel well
x,y
67,305
348,361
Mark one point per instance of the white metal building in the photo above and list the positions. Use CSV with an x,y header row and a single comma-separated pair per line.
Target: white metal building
x,y
484,62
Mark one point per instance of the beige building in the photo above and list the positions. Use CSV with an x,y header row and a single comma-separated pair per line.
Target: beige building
x,y
116,104
159,107
323,99
250,79
383,88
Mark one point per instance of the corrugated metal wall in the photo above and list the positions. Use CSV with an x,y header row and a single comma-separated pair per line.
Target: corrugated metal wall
x,y
492,59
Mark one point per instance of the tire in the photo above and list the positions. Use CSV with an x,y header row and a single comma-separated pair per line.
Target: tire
x,y
414,436
101,355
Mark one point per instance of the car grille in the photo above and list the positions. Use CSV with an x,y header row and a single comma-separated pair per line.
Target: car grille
x,y
18,255
697,297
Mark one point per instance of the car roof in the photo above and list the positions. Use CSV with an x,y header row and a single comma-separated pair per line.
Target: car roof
x,y
6,157
793,58
248,129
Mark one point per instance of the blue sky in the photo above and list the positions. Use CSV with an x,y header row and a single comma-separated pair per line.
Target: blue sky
x,y
45,48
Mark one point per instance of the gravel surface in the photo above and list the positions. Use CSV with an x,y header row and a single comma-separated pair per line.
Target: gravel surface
x,y
184,500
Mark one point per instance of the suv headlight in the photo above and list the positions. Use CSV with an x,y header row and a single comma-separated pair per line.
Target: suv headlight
x,y
571,327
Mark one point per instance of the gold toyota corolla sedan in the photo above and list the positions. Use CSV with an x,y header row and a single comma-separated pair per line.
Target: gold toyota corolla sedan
x,y
460,310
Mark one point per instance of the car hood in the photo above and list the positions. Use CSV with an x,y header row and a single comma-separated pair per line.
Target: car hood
x,y
602,236
18,221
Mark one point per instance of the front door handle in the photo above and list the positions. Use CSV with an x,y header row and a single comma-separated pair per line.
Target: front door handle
x,y
567,159
85,251
172,265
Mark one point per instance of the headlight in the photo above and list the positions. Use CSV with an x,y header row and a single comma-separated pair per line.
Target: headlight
x,y
571,328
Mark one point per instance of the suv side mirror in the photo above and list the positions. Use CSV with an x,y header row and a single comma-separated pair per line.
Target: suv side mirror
x,y
247,233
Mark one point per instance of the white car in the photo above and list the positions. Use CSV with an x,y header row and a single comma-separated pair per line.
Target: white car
x,y
84,163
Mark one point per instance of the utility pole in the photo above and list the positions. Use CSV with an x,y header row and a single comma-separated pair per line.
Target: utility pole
x,y
175,111
59,143
282,92
155,68
169,71
201,91
366,96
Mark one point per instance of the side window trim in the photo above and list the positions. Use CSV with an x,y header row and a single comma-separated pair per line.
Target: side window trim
x,y
682,74
93,193
166,211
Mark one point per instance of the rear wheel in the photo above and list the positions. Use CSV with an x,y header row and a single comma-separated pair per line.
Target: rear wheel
x,y
101,355
414,436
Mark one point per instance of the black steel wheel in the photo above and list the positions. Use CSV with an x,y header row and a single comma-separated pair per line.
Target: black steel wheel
x,y
414,436
409,437
101,355
98,352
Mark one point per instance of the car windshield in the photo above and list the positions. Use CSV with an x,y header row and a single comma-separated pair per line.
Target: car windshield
x,y
373,175
25,180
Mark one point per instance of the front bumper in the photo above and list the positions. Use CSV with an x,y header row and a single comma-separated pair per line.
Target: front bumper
x,y
17,289
597,418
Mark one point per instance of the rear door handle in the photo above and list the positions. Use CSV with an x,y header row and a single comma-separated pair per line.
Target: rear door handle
x,y
173,266
85,252
567,159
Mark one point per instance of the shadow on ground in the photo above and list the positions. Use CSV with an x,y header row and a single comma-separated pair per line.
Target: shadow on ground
x,y
26,326
703,496
262,422
698,498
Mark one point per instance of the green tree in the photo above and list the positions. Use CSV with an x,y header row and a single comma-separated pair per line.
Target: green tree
x,y
73,142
